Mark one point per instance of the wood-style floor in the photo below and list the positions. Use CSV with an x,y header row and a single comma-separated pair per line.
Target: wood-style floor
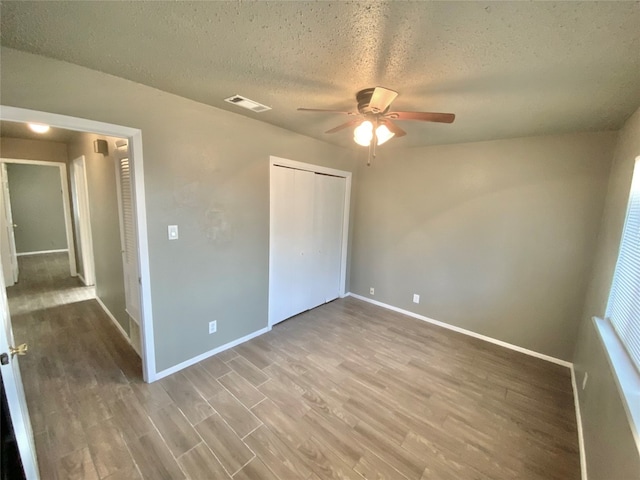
x,y
345,391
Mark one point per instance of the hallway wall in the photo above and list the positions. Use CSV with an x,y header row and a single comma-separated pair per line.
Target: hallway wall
x,y
105,223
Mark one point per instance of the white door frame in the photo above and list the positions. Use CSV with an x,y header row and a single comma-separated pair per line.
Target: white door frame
x,y
277,161
134,137
80,197
10,268
66,205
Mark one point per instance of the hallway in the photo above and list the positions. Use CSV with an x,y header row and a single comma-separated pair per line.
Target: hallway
x,y
78,364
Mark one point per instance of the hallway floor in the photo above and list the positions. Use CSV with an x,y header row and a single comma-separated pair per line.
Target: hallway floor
x,y
345,391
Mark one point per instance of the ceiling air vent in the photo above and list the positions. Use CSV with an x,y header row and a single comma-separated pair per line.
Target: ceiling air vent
x,y
246,103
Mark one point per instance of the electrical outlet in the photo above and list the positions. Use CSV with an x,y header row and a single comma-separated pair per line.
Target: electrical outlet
x,y
371,291
213,326
416,298
584,380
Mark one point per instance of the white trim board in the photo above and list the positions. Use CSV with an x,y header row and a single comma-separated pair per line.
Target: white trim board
x,y
625,374
134,136
113,319
210,353
82,215
42,252
470,333
576,402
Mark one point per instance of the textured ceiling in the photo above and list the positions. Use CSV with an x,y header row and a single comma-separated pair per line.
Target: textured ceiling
x,y
506,69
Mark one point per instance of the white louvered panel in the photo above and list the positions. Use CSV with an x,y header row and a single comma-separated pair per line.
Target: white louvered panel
x,y
623,309
128,237
127,209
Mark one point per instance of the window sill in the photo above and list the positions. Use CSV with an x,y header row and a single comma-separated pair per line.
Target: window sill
x,y
626,376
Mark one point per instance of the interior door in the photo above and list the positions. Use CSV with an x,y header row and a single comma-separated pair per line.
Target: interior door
x,y
82,220
128,234
15,392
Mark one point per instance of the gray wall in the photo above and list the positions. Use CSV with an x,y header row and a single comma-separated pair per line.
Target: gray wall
x,y
37,208
496,237
207,171
105,223
612,452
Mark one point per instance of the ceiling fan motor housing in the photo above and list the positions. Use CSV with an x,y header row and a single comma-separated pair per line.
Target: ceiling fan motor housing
x,y
364,99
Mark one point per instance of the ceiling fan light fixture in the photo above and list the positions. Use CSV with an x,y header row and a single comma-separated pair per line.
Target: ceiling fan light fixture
x,y
363,133
383,134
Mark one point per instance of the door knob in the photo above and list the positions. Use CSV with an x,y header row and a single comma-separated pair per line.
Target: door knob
x,y
15,225
19,350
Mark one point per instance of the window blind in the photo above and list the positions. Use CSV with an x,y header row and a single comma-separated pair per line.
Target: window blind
x,y
623,307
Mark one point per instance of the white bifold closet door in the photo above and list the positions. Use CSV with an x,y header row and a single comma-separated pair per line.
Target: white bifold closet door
x,y
306,240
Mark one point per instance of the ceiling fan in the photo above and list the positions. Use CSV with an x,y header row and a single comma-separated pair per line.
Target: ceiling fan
x,y
374,123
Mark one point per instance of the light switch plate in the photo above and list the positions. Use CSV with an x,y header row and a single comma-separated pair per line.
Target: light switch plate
x,y
173,232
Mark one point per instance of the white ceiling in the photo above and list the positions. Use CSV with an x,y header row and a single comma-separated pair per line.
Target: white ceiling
x,y
506,69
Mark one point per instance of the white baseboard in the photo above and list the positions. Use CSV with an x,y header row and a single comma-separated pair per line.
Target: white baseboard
x,y
470,333
42,252
113,319
576,401
210,353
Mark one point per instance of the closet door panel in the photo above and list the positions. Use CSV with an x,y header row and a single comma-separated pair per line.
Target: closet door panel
x,y
302,231
329,217
281,275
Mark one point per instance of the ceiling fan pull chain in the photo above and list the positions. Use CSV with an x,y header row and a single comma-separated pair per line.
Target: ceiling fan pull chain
x,y
372,147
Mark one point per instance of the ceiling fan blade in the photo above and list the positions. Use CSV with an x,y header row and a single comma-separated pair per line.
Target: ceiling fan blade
x,y
324,111
422,116
381,99
345,125
393,128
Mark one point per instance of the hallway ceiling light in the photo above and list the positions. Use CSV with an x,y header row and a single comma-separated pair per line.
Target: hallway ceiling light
x,y
39,127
